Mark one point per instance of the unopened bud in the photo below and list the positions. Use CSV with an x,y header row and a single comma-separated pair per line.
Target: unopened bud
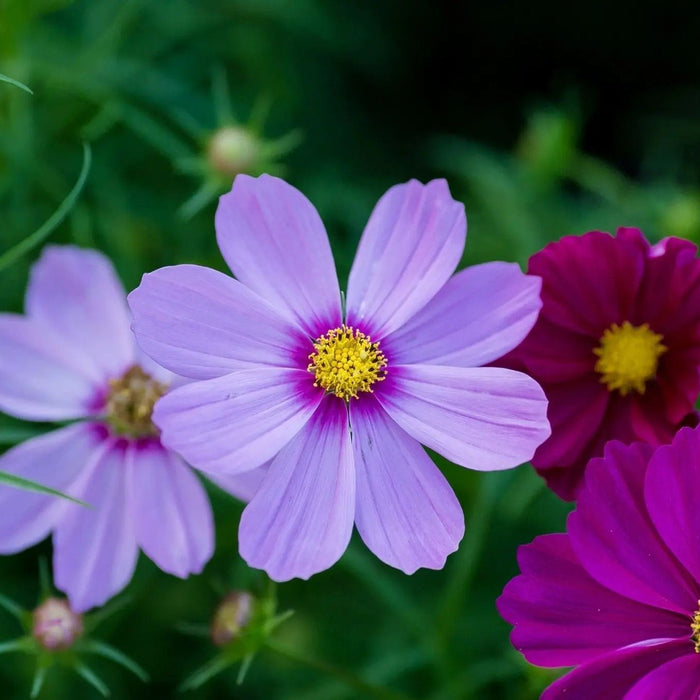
x,y
231,617
55,626
232,150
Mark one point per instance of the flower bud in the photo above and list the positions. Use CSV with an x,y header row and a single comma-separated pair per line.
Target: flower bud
x,y
231,617
232,150
55,626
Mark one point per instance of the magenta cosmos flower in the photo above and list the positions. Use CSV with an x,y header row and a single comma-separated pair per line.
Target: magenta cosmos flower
x,y
619,595
73,358
339,399
616,346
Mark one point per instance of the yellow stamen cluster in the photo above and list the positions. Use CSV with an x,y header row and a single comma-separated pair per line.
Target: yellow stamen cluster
x,y
130,402
628,357
346,362
695,629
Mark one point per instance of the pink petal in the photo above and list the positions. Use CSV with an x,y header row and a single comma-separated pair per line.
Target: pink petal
x,y
201,323
478,316
406,512
274,242
172,515
57,459
237,422
300,521
482,418
615,540
563,617
76,293
612,676
678,679
671,496
41,378
95,548
410,247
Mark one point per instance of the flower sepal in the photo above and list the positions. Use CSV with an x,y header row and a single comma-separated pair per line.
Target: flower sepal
x,y
241,626
58,636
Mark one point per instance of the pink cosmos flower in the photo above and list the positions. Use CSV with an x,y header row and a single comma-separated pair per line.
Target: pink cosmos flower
x,y
73,358
616,346
619,595
338,399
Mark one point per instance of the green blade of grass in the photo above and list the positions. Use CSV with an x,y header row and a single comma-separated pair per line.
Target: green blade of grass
x,y
34,239
16,83
20,483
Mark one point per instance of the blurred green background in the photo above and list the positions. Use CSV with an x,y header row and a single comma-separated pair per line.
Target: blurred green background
x,y
546,120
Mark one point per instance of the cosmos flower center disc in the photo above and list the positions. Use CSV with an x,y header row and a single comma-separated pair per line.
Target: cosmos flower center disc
x,y
345,361
695,628
628,357
130,403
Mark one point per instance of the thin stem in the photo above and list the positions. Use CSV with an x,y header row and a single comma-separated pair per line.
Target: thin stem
x,y
386,590
347,677
457,587
34,239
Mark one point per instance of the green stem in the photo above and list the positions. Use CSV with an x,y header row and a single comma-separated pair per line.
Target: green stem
x,y
34,239
457,587
381,585
347,677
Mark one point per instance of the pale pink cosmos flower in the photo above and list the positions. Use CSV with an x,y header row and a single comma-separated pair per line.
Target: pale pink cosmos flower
x,y
337,400
73,357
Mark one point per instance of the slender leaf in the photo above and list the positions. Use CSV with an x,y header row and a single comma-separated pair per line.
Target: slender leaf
x,y
89,675
97,618
93,646
12,607
16,83
21,644
207,672
20,483
39,678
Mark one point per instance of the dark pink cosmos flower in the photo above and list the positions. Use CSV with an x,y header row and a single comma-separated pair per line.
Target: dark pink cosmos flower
x,y
618,597
73,358
616,346
337,398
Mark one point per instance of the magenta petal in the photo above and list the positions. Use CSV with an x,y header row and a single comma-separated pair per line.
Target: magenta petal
x,y
678,679
615,540
410,247
237,422
483,418
590,280
612,675
563,617
300,521
407,513
480,314
56,459
41,378
671,496
76,293
242,486
201,323
274,242
172,515
95,548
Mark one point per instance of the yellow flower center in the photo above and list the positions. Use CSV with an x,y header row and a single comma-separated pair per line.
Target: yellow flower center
x,y
130,403
346,361
695,629
628,357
